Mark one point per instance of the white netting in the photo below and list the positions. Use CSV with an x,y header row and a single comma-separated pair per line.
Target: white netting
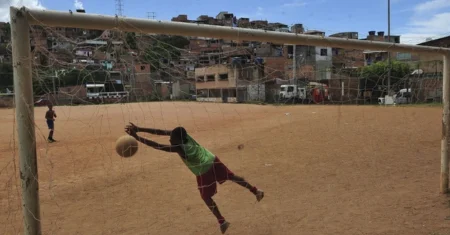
x,y
324,168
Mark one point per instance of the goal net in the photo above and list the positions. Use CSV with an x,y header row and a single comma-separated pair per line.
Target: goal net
x,y
272,112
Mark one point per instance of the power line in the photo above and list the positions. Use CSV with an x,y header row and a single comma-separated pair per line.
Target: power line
x,y
151,15
119,8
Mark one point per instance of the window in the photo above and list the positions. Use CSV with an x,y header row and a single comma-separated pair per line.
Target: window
x,y
214,93
200,79
290,89
142,67
290,49
210,78
232,93
323,52
202,93
308,51
223,76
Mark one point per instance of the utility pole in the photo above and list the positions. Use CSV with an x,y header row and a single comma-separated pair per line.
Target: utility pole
x,y
54,85
389,53
133,80
151,15
294,64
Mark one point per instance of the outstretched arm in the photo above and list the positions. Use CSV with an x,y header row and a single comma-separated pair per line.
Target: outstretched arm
x,y
167,148
163,147
154,131
149,130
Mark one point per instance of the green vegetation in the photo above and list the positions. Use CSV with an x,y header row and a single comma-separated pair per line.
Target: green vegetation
x,y
6,75
130,40
399,70
164,47
43,83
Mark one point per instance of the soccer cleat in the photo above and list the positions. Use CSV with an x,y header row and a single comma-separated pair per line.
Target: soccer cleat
x,y
259,195
224,226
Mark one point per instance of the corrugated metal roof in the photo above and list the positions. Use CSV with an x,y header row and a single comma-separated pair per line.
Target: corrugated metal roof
x,y
96,42
370,52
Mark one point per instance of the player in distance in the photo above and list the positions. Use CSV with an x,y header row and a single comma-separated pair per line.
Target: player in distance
x,y
50,116
207,167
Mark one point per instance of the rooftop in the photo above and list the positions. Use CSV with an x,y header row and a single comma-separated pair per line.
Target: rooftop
x,y
436,42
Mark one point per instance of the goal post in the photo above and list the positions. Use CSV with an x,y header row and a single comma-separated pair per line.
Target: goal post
x,y
22,18
23,95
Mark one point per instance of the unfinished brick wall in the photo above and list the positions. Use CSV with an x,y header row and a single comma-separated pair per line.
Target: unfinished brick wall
x,y
274,67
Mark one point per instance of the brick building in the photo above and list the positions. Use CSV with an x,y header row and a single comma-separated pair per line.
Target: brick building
x,y
347,58
181,18
258,24
432,64
142,80
275,67
370,56
243,22
5,32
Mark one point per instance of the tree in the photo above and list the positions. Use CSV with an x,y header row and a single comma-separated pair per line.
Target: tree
x,y
7,32
3,49
131,40
6,76
379,70
164,48
43,80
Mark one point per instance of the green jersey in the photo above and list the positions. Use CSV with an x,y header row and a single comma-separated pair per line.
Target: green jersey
x,y
198,159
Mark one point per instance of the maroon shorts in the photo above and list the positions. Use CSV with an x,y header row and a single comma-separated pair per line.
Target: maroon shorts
x,y
207,183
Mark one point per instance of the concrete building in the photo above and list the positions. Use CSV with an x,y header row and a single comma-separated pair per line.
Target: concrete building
x,y
349,35
268,50
226,18
297,28
229,83
279,27
312,63
380,36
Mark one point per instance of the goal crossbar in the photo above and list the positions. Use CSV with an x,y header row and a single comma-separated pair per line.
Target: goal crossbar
x,y
22,18
103,22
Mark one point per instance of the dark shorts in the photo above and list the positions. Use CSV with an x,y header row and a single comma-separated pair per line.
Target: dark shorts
x,y
51,124
207,183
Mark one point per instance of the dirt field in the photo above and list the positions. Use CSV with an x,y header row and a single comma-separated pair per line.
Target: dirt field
x,y
325,170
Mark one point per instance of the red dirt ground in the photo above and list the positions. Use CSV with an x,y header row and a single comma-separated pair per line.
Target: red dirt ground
x,y
325,170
